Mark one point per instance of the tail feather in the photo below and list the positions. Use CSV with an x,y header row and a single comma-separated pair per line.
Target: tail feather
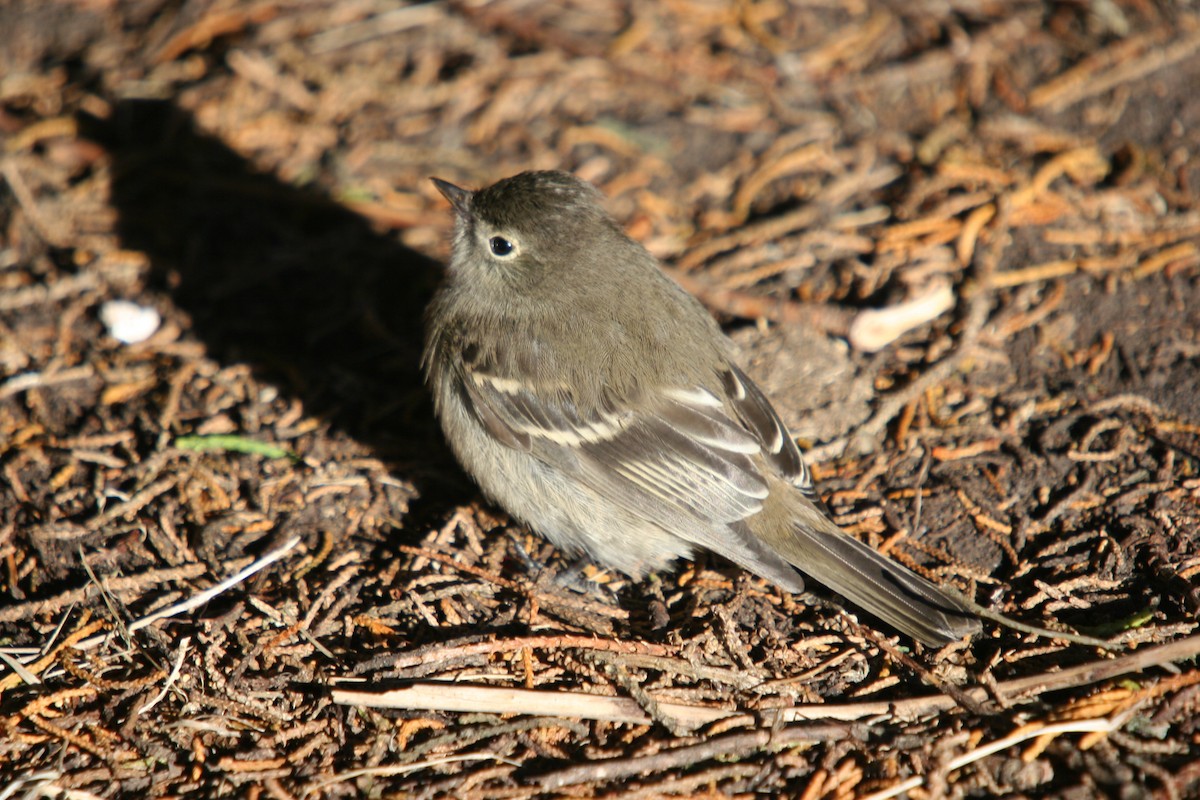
x,y
870,580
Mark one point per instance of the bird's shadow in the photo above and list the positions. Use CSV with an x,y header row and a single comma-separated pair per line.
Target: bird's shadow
x,y
286,280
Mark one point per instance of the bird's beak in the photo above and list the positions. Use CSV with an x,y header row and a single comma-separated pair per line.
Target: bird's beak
x,y
458,197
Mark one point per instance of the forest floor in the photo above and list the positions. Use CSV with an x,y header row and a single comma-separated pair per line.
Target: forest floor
x,y
224,546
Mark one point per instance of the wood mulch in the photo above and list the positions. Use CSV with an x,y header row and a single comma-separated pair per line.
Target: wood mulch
x,y
959,242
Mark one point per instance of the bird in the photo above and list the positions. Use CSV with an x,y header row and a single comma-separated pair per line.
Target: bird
x,y
599,403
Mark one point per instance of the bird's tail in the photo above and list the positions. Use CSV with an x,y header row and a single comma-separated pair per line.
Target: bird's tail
x,y
870,580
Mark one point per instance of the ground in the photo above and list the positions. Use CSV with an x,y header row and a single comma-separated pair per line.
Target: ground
x,y
1024,175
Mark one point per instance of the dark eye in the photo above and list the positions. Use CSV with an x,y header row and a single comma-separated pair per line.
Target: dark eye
x,y
500,246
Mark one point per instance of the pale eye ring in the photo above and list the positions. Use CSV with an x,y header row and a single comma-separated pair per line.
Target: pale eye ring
x,y
500,246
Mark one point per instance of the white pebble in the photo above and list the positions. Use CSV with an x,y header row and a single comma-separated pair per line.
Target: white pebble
x,y
128,322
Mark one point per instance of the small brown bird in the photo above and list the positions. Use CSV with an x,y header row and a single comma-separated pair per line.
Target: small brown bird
x,y
597,401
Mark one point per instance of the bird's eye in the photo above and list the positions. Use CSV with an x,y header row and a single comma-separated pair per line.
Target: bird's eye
x,y
500,246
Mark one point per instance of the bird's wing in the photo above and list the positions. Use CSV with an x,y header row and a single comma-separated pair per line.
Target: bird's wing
x,y
676,457
758,415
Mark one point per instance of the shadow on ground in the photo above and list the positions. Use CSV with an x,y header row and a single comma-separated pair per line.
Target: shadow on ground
x,y
283,279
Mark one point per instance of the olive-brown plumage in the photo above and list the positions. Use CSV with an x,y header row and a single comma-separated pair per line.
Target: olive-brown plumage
x,y
598,402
